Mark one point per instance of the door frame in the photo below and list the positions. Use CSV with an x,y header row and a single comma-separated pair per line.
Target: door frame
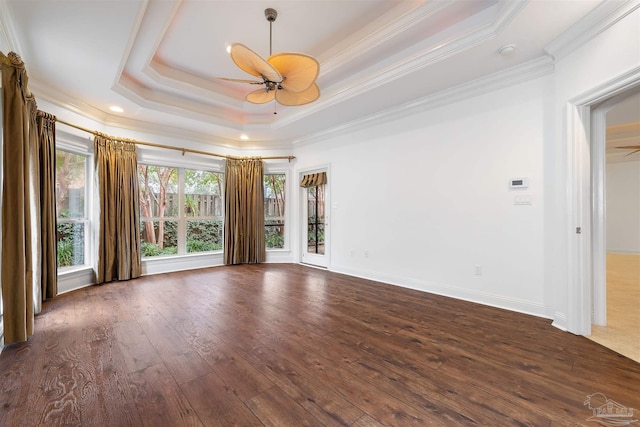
x,y
326,258
585,219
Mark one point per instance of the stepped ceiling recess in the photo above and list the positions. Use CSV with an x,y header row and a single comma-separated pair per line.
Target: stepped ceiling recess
x,y
160,59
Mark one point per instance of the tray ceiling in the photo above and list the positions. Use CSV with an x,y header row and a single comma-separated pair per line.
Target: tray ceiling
x,y
160,59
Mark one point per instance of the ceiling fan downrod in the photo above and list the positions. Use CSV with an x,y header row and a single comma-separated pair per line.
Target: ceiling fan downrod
x,y
271,15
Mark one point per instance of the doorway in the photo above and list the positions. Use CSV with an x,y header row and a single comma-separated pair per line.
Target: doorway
x,y
315,221
616,320
586,130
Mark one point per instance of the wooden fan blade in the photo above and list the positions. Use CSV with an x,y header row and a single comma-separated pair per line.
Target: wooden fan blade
x,y
261,96
635,148
253,82
250,62
299,70
286,97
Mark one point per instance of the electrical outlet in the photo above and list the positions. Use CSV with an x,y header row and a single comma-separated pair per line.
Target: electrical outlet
x,y
478,270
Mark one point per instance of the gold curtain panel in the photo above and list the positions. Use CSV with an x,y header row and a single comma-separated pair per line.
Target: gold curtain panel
x,y
119,225
314,179
18,218
244,239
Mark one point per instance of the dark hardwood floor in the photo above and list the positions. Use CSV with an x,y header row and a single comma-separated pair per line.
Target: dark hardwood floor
x,y
287,345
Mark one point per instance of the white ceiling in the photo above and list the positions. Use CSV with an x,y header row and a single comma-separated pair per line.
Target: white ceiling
x,y
160,59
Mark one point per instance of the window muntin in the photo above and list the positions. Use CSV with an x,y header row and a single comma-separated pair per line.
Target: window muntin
x,y
71,207
274,210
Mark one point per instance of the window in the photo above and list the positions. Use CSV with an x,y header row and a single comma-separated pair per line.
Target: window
x,y
158,188
203,209
72,221
167,229
274,199
315,219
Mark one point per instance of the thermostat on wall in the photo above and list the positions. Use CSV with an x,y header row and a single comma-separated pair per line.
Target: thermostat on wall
x,y
519,183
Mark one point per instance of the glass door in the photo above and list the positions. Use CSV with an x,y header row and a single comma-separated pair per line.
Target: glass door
x,y
315,222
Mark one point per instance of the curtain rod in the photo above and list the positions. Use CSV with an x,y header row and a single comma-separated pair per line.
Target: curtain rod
x,y
169,147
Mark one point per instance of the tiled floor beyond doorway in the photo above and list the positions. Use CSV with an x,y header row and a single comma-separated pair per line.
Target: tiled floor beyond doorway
x,y
622,333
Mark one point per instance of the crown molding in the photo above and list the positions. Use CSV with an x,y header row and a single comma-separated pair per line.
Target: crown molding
x,y
7,34
381,33
539,67
85,110
67,102
462,42
602,17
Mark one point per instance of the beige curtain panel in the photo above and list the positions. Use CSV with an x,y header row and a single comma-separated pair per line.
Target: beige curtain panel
x,y
313,179
19,139
48,230
119,218
244,240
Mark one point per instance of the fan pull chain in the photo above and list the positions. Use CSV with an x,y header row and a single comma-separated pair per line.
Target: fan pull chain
x,y
275,104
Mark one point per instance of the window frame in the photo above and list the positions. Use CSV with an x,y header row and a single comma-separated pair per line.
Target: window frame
x,y
88,220
282,170
182,219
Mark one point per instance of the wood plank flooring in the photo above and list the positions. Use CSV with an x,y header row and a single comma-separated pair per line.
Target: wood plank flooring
x,y
288,345
622,332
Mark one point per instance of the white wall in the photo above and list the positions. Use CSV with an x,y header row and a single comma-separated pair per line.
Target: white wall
x,y
623,207
433,187
427,199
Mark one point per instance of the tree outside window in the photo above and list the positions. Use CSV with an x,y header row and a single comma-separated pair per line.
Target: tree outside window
x,y
203,209
181,210
274,210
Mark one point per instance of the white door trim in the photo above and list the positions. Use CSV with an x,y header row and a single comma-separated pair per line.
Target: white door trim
x,y
326,258
582,212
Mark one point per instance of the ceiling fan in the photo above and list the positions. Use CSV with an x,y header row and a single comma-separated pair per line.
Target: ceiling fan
x,y
289,78
635,148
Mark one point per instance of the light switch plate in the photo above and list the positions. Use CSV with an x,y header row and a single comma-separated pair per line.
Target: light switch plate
x,y
522,199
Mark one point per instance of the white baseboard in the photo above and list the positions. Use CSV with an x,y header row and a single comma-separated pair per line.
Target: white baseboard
x,y
498,301
72,280
560,321
180,263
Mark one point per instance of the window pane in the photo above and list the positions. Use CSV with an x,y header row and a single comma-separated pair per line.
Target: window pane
x,y
315,219
158,191
274,204
203,193
70,183
70,244
204,236
158,238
